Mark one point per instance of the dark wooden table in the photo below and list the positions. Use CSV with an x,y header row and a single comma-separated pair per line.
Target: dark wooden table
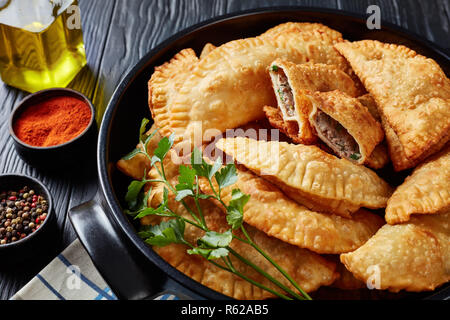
x,y
117,33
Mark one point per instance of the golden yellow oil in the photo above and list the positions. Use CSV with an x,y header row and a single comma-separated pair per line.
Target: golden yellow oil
x,y
40,46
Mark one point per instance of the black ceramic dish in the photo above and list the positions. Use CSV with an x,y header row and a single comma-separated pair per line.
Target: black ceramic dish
x,y
61,155
37,241
107,234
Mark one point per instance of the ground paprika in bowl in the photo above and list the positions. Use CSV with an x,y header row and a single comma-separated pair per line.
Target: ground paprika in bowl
x,y
53,128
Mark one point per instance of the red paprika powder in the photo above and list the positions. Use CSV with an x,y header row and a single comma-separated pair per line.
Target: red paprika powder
x,y
53,122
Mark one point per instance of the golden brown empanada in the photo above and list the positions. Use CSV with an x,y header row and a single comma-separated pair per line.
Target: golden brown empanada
x,y
292,83
301,27
270,211
345,125
412,93
310,176
230,86
167,79
139,164
414,256
367,101
425,191
378,159
206,50
307,268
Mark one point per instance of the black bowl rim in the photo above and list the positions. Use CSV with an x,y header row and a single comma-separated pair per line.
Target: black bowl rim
x,y
50,212
43,93
115,211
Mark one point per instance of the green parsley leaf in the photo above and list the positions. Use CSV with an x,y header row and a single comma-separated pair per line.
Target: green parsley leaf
x,y
201,168
217,165
167,232
234,218
183,194
163,148
227,176
274,68
213,239
186,177
209,254
143,129
213,245
132,196
235,210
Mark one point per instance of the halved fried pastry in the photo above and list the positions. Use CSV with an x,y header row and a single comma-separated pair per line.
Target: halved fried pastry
x,y
310,176
345,125
377,159
270,211
425,191
230,86
414,256
412,93
292,83
307,268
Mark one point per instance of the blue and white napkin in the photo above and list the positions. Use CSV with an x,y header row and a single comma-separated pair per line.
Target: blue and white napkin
x,y
71,276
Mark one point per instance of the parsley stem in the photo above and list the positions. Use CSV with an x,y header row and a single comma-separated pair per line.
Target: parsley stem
x,y
200,212
265,274
281,270
255,283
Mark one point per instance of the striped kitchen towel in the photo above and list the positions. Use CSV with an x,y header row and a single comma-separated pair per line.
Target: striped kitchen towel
x,y
71,276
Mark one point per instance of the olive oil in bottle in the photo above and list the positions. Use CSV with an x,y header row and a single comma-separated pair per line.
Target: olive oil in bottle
x,y
41,43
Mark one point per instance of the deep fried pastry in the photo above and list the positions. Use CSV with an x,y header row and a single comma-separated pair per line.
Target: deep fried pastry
x,y
301,27
230,85
378,159
307,268
270,211
345,125
311,176
139,164
292,83
206,50
412,93
425,191
414,256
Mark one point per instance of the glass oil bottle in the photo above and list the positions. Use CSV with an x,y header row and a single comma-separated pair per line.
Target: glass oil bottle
x,y
41,43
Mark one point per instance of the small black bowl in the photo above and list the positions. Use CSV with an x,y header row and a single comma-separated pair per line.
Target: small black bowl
x,y
37,241
55,157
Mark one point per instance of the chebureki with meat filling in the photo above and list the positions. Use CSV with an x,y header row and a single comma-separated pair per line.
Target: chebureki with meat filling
x,y
306,205
319,101
412,94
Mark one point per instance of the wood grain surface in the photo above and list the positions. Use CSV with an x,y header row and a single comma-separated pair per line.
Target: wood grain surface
x,y
117,33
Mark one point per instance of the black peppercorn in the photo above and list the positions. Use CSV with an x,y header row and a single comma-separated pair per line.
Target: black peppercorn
x,y
21,213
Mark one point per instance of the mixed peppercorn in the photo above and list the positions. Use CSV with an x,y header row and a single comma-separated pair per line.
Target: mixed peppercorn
x,y
21,213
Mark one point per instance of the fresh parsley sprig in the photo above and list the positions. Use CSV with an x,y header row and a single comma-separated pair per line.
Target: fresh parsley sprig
x,y
213,246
